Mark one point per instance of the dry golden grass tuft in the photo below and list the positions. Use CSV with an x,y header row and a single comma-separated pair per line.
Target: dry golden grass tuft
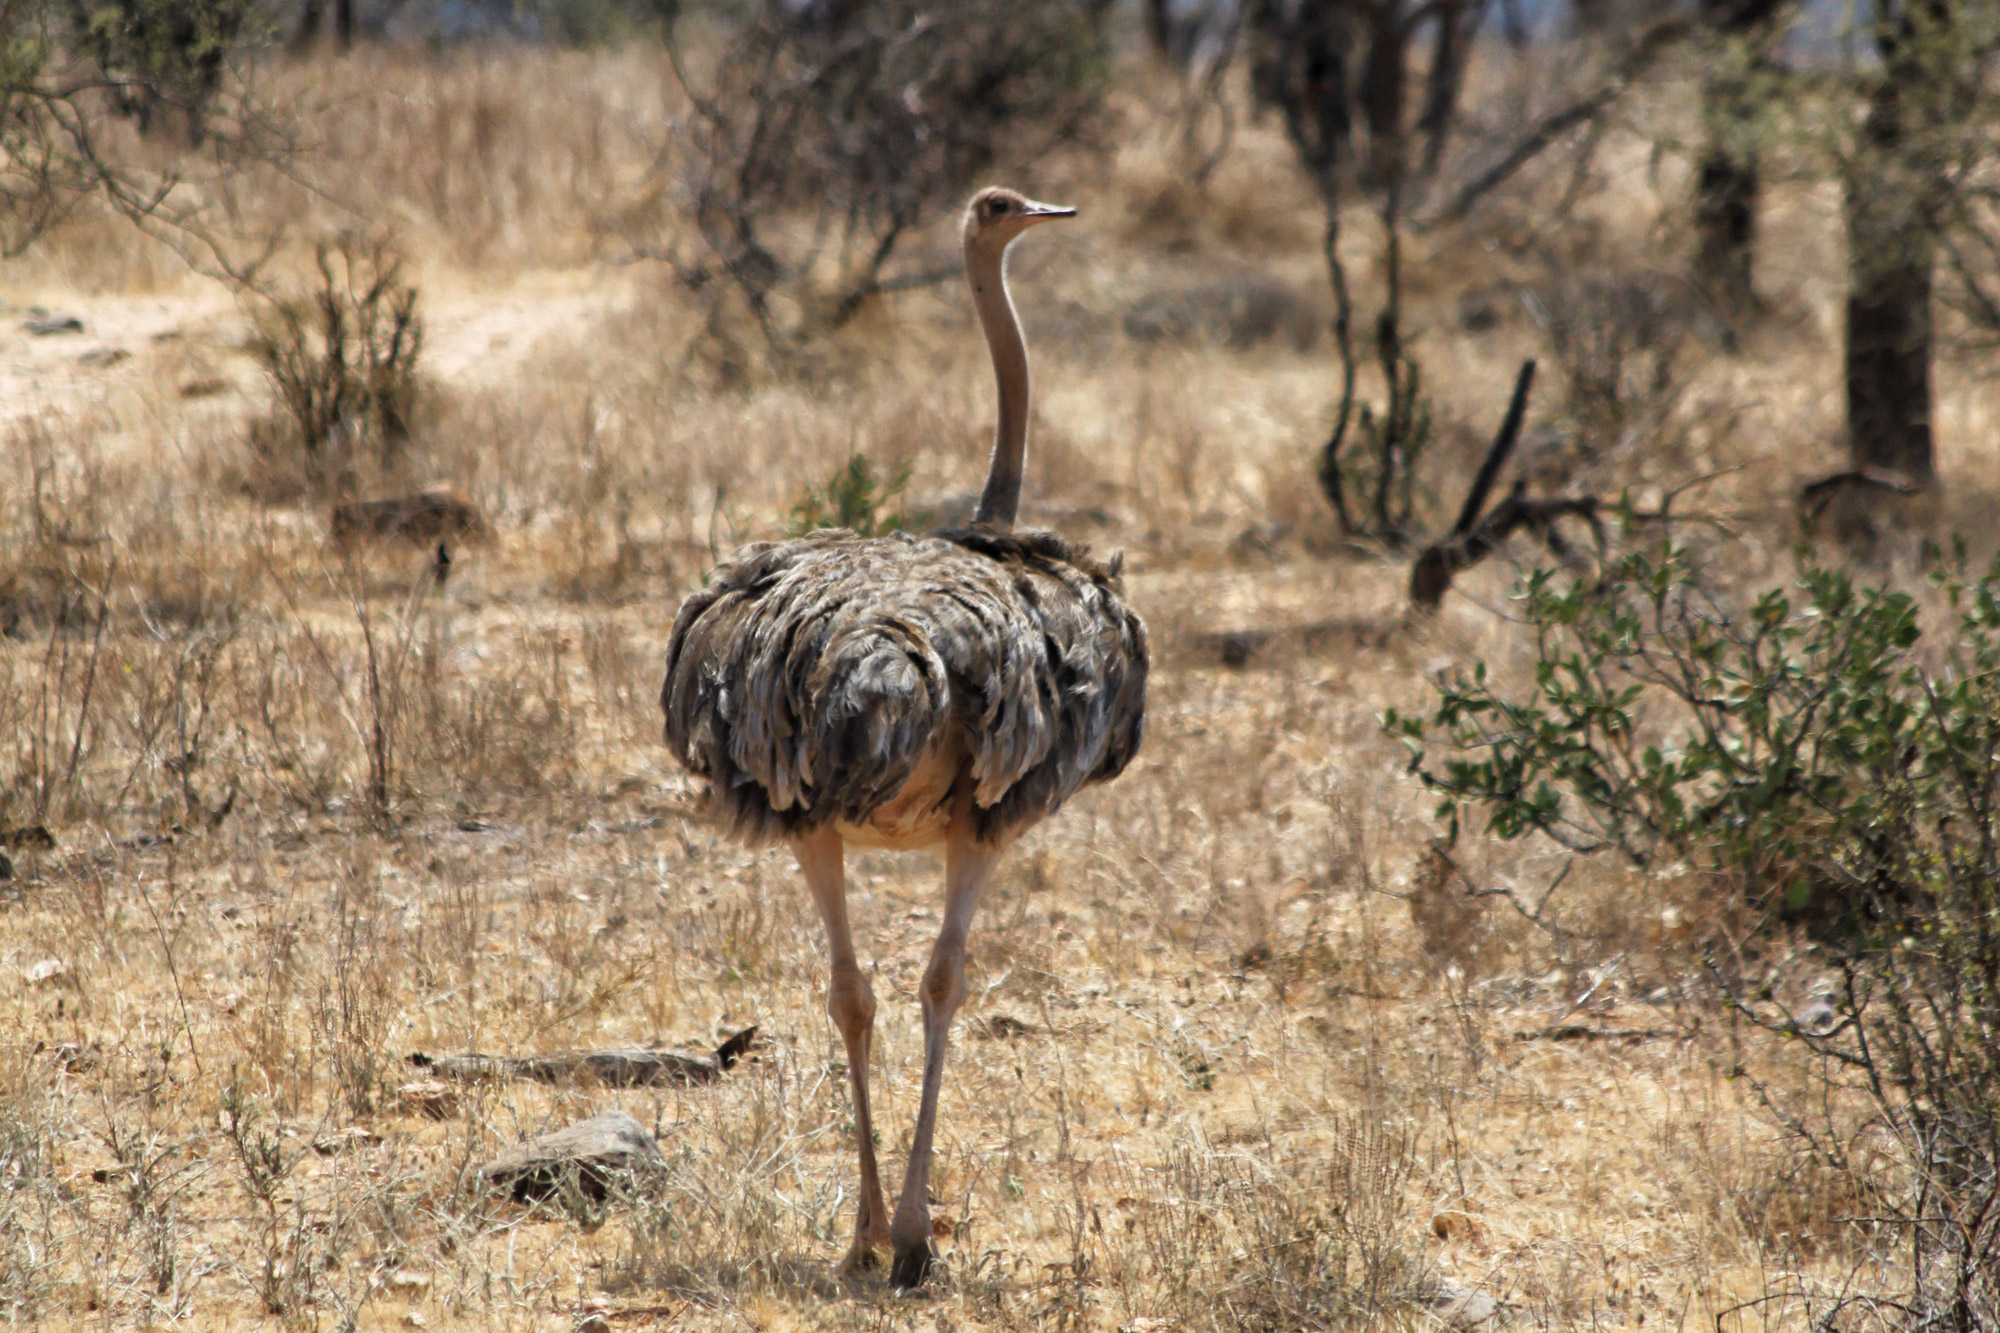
x,y
1237,1053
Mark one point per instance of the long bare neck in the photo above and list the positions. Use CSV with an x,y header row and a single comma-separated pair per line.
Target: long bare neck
x,y
987,271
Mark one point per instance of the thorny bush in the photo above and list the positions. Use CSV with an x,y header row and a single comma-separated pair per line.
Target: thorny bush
x,y
342,359
1816,752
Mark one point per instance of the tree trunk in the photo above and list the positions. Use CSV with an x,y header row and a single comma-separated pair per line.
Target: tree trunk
x,y
1160,28
1383,83
1457,24
1727,181
311,14
1299,65
1725,219
1889,355
1892,212
1591,16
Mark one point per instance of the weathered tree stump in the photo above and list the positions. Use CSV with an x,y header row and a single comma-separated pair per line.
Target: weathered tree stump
x,y
586,1160
625,1067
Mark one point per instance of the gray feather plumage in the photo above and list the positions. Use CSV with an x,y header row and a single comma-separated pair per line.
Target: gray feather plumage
x,y
810,678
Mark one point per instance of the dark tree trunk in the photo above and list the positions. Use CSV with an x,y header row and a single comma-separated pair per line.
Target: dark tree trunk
x,y
1725,219
312,15
1590,16
1892,211
1160,27
1384,81
1889,339
1727,181
1457,24
1299,65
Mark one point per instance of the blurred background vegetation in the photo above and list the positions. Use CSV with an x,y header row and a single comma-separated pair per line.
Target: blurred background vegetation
x,y
1687,668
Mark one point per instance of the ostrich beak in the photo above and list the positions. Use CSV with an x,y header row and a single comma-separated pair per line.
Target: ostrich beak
x,y
1040,212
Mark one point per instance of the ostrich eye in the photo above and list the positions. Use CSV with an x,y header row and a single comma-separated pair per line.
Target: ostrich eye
x,y
997,207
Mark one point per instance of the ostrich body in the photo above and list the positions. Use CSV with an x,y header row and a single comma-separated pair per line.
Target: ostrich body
x,y
904,692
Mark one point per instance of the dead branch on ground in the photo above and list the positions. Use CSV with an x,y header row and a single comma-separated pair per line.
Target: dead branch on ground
x,y
1472,538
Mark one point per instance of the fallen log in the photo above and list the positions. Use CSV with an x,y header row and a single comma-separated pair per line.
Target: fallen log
x,y
623,1067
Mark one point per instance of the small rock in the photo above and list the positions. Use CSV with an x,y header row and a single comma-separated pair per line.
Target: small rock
x,y
593,1323
1817,1018
229,1003
104,356
415,1319
587,1157
1462,1307
428,1097
42,326
339,1140
405,1280
206,388
47,971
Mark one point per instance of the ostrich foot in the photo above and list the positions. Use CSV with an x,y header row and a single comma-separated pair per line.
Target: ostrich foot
x,y
914,1265
861,1258
864,1256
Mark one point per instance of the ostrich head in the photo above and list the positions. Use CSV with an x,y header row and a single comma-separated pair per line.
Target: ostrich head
x,y
996,216
992,220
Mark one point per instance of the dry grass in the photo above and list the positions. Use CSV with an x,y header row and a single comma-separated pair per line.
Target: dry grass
x,y
1229,1061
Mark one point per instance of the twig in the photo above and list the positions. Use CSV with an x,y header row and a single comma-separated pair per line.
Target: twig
x,y
1648,48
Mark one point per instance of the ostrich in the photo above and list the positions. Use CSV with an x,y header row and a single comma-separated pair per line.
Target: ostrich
x,y
900,692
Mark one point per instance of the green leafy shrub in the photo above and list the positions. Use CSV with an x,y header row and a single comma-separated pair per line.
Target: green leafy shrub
x,y
161,56
1768,744
1816,754
853,498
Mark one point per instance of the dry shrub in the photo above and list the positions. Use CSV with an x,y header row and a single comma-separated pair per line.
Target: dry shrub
x,y
1238,311
1449,922
342,361
1304,1239
733,1217
111,703
81,518
823,136
1624,346
508,730
38,1217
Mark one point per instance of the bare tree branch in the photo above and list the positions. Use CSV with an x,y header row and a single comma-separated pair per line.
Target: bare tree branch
x,y
1651,45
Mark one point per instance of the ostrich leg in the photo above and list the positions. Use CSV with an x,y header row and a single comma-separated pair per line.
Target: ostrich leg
x,y
967,862
851,1003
